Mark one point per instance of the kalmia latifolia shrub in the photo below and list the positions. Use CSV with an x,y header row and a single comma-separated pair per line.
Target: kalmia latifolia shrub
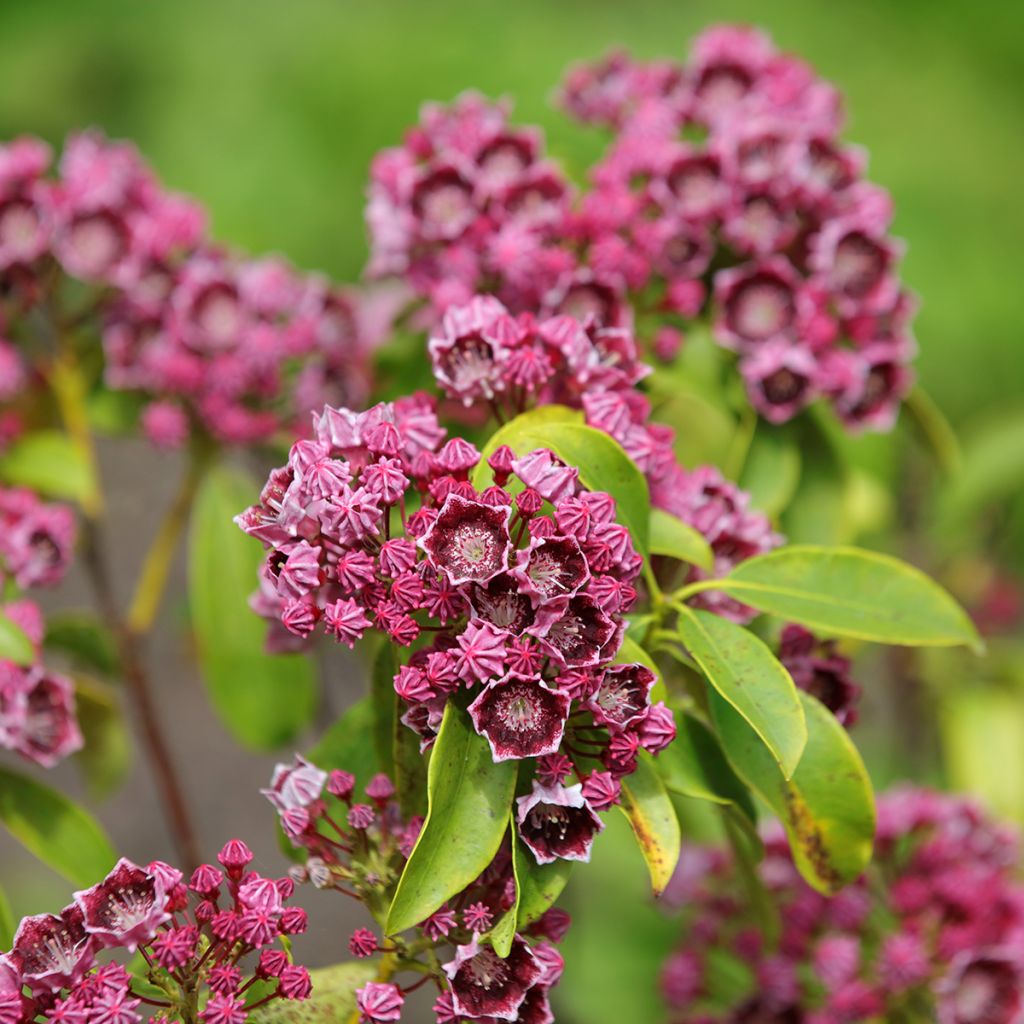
x,y
213,948
933,931
37,705
566,622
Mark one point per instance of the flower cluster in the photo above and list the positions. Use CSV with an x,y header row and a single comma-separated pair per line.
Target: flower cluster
x,y
726,195
194,938
483,355
728,191
818,668
524,585
37,706
934,931
359,849
468,200
209,339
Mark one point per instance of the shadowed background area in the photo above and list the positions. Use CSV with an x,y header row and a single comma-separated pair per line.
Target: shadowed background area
x,y
269,114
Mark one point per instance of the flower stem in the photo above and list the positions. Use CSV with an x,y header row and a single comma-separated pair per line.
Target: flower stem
x,y
152,581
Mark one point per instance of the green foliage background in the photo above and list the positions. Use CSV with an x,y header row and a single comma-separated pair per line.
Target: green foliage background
x,y
270,112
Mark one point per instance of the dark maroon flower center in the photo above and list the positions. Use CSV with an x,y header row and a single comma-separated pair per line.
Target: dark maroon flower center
x,y
502,605
581,632
468,362
125,905
988,993
860,263
469,540
696,185
444,201
557,568
57,945
784,386
761,307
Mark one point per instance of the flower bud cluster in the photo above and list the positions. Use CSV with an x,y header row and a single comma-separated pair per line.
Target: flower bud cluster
x,y
198,940
358,847
522,587
933,931
236,347
37,706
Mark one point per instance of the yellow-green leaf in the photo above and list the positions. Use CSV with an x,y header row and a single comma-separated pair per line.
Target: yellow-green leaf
x,y
332,1000
648,807
671,537
14,644
827,808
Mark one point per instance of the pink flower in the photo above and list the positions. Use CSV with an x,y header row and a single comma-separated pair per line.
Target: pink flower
x,y
126,908
481,651
53,952
468,541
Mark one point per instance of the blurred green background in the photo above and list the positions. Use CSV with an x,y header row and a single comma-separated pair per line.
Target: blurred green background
x,y
270,112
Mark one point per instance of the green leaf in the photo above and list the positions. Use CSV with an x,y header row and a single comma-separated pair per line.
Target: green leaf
x,y
7,922
694,765
771,472
84,640
672,537
601,461
648,807
115,413
60,833
851,592
469,799
14,644
50,464
740,666
537,888
106,756
827,808
348,744
332,1000
264,700
519,435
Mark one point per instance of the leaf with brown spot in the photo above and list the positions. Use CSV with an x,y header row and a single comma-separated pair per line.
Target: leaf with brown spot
x,y
827,808
650,812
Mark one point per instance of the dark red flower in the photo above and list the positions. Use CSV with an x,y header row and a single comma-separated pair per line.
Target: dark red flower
x,y
54,952
578,637
485,985
520,718
126,908
469,541
622,696
556,822
552,567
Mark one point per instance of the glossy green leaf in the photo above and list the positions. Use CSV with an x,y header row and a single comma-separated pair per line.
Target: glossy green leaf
x,y
673,538
648,807
60,833
7,922
694,765
851,592
265,700
827,808
50,464
14,644
348,743
86,642
601,461
332,1000
520,435
469,799
106,756
740,666
771,472
537,888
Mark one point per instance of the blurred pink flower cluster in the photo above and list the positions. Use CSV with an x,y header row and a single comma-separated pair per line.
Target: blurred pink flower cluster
x,y
935,928
239,348
37,706
726,196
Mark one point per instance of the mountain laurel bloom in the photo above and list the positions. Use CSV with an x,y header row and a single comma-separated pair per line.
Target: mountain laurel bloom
x,y
526,609
936,926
